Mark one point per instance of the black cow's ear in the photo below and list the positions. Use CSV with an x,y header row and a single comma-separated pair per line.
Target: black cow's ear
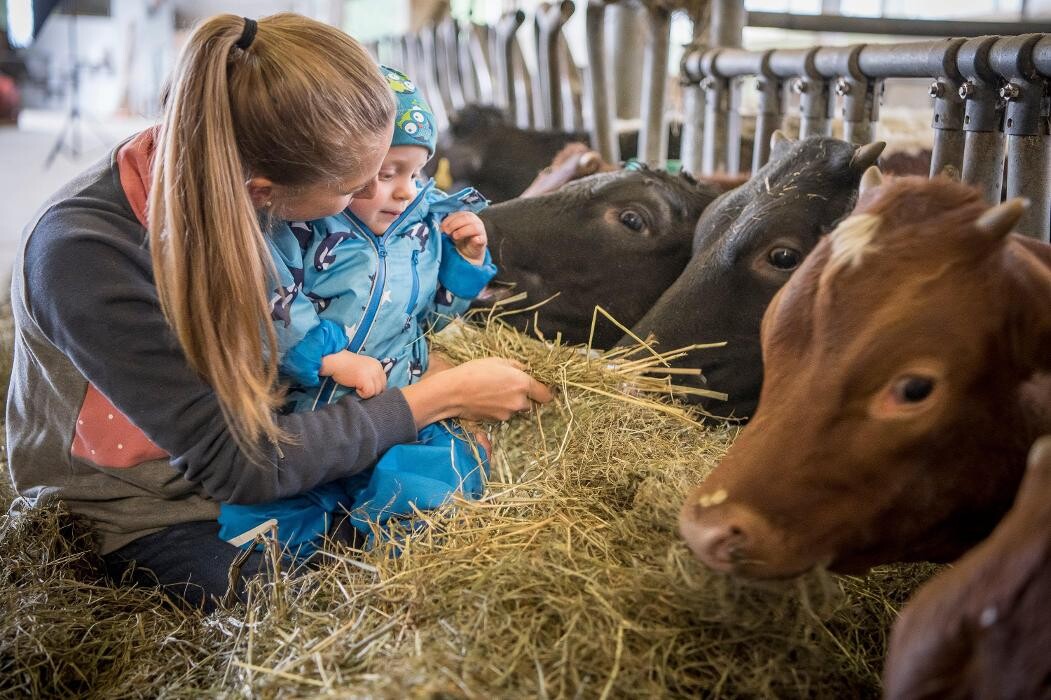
x,y
866,155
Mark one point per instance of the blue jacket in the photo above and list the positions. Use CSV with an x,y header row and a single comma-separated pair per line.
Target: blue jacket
x,y
343,287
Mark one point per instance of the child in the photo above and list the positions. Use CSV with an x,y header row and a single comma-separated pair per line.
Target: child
x,y
358,291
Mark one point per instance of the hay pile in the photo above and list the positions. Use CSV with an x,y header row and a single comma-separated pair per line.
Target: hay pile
x,y
567,580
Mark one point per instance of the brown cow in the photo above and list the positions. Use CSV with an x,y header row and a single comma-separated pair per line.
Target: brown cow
x,y
983,628
906,375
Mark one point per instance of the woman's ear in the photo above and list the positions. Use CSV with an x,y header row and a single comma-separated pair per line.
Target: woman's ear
x,y
261,192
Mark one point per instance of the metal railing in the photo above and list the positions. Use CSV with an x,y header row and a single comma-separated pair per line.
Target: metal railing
x,y
989,93
990,99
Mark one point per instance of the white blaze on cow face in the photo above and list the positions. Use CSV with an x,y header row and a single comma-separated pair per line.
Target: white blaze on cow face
x,y
852,241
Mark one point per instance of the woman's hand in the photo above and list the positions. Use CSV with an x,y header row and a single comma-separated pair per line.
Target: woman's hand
x,y
468,233
489,389
360,372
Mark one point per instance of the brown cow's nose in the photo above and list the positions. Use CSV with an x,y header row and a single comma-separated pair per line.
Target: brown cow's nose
x,y
725,537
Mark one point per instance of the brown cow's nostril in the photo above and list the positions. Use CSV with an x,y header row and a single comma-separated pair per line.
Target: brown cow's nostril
x,y
726,536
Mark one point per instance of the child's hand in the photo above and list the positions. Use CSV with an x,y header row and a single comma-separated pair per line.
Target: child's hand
x,y
468,233
360,372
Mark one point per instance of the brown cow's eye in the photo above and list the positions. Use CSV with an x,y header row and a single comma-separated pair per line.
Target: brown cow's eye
x,y
784,258
913,389
632,219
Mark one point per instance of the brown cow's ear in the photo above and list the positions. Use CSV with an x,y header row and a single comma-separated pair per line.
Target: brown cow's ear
x,y
872,179
999,221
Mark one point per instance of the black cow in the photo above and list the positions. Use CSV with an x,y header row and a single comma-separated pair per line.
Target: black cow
x,y
745,247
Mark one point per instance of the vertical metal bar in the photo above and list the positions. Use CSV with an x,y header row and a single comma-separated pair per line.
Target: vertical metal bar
x,y
727,23
768,119
571,83
549,21
474,54
522,82
504,56
1026,125
815,106
419,48
733,128
983,155
983,163
602,137
1029,176
401,53
859,99
948,113
653,136
716,111
947,121
624,46
448,45
437,95
692,137
692,146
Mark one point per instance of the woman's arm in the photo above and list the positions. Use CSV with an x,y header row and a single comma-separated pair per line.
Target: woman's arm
x,y
480,390
93,298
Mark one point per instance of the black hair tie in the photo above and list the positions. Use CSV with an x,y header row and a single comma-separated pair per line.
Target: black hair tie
x,y
248,34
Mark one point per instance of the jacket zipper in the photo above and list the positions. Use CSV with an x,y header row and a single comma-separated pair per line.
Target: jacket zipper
x,y
415,282
368,320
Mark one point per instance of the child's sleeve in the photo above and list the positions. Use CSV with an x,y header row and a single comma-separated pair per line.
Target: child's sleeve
x,y
459,280
303,338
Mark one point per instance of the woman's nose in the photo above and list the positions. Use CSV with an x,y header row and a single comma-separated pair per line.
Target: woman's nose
x,y
368,191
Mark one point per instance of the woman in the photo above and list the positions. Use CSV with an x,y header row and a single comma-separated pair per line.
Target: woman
x,y
142,393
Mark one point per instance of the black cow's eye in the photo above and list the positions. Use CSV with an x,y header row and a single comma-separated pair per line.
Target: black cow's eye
x,y
784,258
913,389
632,219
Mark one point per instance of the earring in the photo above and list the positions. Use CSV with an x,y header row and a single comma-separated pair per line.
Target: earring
x,y
268,204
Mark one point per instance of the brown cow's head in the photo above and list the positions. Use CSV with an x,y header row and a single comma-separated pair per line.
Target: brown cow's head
x,y
901,361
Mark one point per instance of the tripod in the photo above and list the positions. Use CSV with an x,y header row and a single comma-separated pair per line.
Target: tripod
x,y
70,134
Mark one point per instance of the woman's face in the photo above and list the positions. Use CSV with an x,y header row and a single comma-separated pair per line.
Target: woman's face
x,y
323,199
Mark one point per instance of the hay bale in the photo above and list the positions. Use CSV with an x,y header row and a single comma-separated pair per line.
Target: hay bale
x,y
566,580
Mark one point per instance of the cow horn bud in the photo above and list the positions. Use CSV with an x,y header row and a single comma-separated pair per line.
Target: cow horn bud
x,y
866,155
779,143
870,180
1001,219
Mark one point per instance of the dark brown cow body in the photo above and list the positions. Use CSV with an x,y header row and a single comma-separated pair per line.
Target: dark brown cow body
x,y
905,380
983,628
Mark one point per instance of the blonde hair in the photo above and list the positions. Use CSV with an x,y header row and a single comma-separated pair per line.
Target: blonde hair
x,y
303,105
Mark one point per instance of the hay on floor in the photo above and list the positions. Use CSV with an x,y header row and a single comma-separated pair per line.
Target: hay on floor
x,y
567,579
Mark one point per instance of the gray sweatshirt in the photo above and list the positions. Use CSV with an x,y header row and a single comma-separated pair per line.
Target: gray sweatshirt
x,y
105,413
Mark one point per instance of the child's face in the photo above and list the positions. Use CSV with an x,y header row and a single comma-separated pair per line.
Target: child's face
x,y
395,188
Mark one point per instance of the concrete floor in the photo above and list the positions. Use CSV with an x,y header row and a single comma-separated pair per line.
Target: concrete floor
x,y
25,184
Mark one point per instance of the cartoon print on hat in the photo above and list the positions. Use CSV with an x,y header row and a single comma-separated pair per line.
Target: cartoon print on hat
x,y
414,122
398,81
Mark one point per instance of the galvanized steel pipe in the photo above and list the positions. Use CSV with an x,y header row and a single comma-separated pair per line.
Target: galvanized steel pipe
x,y
653,136
603,138
549,21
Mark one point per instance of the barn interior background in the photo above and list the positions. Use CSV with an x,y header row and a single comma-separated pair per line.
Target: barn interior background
x,y
704,85
121,50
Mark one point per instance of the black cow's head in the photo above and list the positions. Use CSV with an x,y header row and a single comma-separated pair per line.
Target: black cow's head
x,y
745,247
616,240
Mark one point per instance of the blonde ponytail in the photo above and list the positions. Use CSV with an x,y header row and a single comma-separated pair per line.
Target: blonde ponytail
x,y
302,105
